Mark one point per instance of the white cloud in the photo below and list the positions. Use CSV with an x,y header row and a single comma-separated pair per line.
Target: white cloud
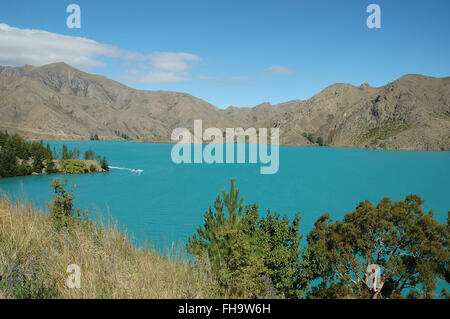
x,y
168,67
173,62
153,77
36,47
20,47
205,78
276,70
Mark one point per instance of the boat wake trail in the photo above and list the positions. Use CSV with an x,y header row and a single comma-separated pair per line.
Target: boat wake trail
x,y
133,170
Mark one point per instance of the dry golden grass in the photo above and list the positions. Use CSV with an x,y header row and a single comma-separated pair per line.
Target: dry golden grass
x,y
37,254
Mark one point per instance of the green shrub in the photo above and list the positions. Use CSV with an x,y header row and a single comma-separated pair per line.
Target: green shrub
x,y
62,212
74,166
24,169
92,168
312,139
320,141
50,167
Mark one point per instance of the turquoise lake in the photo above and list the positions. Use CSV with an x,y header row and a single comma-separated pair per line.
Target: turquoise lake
x,y
166,202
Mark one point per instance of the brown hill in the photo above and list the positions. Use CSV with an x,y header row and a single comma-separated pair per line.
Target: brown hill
x,y
57,101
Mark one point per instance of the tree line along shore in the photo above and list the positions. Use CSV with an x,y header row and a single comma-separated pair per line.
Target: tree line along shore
x,y
19,157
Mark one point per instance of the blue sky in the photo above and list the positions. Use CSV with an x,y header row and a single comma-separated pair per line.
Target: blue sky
x,y
239,53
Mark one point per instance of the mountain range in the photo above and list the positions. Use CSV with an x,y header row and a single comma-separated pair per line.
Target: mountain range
x,y
59,102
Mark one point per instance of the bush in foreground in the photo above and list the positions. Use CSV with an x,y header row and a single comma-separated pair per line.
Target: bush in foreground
x,y
238,254
410,247
250,256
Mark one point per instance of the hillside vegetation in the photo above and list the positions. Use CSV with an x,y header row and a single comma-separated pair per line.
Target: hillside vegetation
x,y
35,254
237,252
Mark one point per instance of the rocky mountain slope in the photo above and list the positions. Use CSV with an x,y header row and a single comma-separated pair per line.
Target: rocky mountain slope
x,y
57,101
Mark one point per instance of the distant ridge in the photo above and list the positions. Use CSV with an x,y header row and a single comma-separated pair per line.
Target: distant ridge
x,y
57,101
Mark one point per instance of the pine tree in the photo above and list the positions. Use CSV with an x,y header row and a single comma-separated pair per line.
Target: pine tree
x,y
89,154
15,149
104,164
248,255
37,163
65,152
8,164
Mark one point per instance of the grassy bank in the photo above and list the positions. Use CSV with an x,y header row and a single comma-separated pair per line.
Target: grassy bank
x,y
34,257
248,255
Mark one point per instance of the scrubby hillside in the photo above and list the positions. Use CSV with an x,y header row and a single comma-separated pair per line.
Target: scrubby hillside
x,y
34,256
238,254
412,112
57,101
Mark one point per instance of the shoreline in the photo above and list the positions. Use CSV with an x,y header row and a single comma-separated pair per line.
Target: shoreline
x,y
58,164
281,145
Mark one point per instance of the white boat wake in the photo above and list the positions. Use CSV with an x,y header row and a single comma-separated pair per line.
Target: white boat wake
x,y
133,170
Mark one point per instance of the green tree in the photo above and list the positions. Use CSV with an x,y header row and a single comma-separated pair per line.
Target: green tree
x,y
410,247
48,153
62,212
3,138
249,256
14,149
8,164
18,146
24,169
320,141
89,154
104,164
65,152
37,163
281,243
50,167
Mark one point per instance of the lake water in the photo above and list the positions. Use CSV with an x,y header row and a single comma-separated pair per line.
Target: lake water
x,y
166,202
